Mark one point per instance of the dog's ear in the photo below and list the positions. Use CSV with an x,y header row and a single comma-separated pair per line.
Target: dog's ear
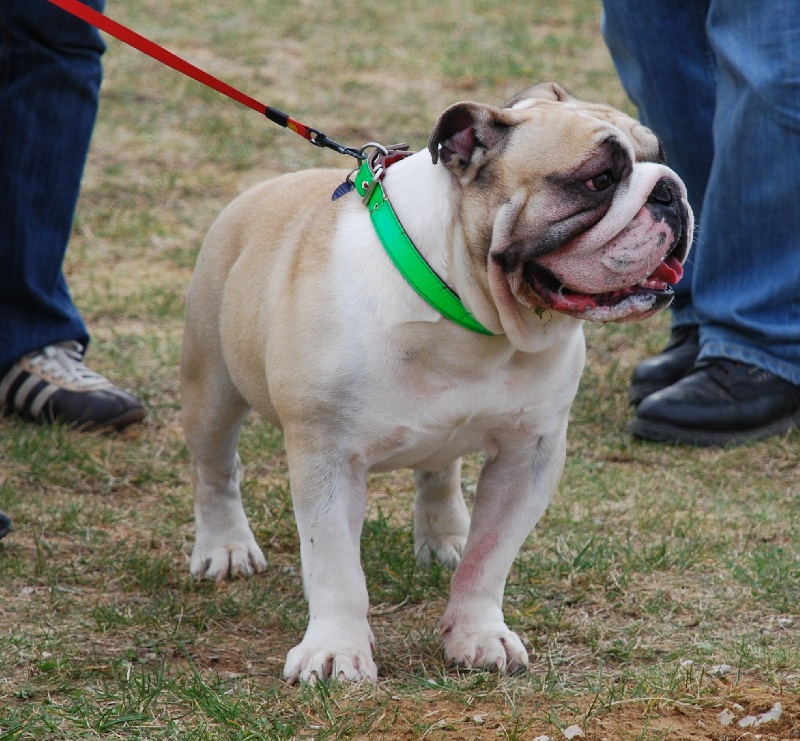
x,y
544,91
465,132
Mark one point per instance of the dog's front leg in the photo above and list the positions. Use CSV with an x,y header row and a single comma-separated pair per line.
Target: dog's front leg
x,y
514,489
329,497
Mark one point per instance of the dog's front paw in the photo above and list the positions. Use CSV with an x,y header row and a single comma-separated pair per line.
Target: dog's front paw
x,y
219,558
339,659
489,645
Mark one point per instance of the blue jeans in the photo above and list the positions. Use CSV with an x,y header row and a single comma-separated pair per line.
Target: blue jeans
x,y
50,76
719,83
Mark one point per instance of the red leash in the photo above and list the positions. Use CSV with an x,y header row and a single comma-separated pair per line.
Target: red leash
x,y
127,36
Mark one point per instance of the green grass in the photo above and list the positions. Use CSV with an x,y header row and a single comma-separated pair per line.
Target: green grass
x,y
652,568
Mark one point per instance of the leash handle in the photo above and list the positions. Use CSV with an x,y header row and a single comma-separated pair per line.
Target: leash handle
x,y
159,53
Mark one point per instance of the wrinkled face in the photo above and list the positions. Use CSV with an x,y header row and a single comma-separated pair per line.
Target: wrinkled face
x,y
568,204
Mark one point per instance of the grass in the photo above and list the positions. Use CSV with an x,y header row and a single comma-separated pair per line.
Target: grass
x,y
661,587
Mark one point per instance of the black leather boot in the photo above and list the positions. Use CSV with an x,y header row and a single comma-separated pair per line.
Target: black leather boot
x,y
5,525
719,402
669,366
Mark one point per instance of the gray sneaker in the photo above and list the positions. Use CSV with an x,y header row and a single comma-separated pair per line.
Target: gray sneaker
x,y
53,384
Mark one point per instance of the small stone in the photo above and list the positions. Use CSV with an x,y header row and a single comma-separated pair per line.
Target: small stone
x,y
721,669
757,720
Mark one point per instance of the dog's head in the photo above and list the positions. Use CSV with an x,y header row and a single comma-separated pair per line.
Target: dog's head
x,y
568,204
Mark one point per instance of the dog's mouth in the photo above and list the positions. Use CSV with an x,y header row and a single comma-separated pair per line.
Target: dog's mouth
x,y
648,296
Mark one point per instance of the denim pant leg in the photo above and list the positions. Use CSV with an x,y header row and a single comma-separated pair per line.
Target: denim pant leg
x,y
747,276
50,75
667,68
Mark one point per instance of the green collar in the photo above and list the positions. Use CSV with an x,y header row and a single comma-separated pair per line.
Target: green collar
x,y
411,264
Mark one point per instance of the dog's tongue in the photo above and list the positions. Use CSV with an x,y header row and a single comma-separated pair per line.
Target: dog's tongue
x,y
669,271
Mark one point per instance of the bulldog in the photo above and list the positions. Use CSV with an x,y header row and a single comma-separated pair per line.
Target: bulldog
x,y
534,217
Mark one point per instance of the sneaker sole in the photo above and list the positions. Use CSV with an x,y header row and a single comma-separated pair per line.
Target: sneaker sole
x,y
116,424
660,432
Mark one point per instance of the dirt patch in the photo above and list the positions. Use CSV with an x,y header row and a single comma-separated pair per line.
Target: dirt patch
x,y
749,710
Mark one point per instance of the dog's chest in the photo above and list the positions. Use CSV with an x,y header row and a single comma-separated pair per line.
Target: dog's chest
x,y
430,414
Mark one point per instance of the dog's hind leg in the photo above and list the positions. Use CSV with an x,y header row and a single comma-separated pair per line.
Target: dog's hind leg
x,y
441,519
213,412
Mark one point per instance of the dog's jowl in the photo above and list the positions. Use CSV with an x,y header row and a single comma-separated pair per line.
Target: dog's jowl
x,y
535,216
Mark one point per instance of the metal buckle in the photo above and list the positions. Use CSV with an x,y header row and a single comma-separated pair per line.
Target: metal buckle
x,y
377,176
377,160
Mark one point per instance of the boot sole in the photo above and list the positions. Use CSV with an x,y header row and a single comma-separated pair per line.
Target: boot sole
x,y
660,432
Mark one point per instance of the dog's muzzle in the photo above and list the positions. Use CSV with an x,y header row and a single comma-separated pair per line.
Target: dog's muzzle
x,y
647,295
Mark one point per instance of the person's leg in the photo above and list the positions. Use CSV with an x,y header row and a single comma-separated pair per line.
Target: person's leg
x,y
746,288
747,279
666,66
50,75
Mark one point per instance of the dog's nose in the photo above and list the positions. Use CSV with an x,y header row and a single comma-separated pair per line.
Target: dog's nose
x,y
664,192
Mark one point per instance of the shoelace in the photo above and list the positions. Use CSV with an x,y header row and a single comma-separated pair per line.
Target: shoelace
x,y
65,361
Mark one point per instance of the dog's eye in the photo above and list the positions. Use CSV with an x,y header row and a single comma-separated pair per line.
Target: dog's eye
x,y
600,182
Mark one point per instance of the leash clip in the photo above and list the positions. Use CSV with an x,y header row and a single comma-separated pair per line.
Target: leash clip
x,y
320,139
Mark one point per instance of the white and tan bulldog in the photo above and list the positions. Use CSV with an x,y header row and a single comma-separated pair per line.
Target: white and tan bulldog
x,y
538,215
